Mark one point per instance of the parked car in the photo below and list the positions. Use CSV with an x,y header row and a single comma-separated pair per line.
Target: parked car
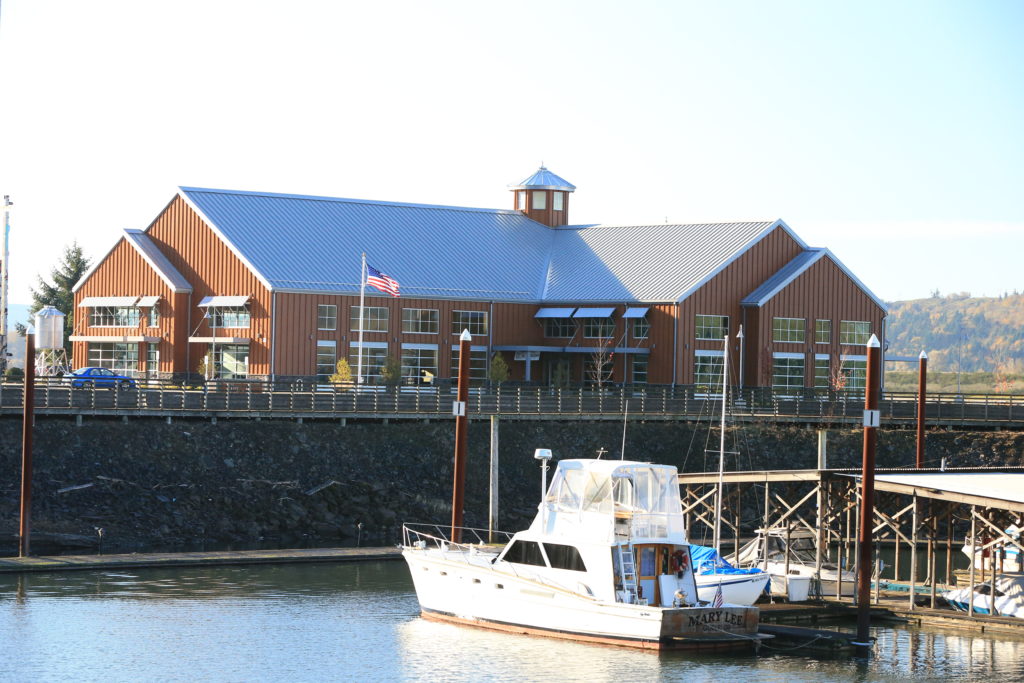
x,y
99,377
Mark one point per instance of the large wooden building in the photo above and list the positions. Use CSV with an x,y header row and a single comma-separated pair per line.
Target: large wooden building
x,y
258,285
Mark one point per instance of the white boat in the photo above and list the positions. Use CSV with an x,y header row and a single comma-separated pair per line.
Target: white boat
x,y
1005,557
606,560
796,557
712,572
1008,599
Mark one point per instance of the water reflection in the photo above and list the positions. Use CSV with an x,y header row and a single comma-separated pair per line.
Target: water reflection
x,y
360,621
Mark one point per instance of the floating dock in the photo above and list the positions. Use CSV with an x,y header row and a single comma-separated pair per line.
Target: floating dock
x,y
217,557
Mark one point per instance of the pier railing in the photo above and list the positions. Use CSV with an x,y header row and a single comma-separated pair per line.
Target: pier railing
x,y
54,396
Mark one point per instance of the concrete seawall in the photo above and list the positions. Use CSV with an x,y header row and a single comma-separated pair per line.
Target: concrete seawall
x,y
156,486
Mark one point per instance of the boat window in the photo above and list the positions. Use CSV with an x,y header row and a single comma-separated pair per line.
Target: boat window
x,y
597,493
564,557
524,552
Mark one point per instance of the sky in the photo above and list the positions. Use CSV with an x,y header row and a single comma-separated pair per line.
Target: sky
x,y
890,132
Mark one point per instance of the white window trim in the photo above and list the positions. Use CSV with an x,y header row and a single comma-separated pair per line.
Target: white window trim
x,y
323,343
368,345
851,357
708,352
822,356
420,347
787,354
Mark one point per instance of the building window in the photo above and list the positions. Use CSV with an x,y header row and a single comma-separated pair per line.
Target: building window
x,y
326,360
474,321
152,360
712,327
787,329
477,364
420,320
374,354
375,319
110,316
230,361
121,358
597,369
521,200
708,367
326,317
822,331
598,328
822,372
640,369
558,201
229,316
419,363
540,200
853,373
154,316
641,328
788,371
854,332
559,328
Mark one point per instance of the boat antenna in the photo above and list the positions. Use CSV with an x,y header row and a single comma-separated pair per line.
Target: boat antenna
x,y
601,451
625,416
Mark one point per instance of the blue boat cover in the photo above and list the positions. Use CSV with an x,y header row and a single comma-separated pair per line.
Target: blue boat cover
x,y
707,561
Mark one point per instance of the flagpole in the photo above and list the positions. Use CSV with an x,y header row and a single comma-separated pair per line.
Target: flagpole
x,y
362,316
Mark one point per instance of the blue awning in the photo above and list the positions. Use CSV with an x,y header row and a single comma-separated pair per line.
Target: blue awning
x,y
554,313
593,313
635,313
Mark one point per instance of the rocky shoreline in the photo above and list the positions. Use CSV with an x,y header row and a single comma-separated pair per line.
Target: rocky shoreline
x,y
153,486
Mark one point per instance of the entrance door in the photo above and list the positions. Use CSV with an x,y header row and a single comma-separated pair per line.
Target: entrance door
x,y
557,370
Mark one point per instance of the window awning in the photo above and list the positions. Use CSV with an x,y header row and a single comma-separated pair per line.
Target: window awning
x,y
635,313
223,301
593,313
115,339
112,301
147,301
218,340
554,313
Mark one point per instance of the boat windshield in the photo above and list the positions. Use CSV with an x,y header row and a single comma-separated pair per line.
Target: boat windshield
x,y
581,490
646,490
629,491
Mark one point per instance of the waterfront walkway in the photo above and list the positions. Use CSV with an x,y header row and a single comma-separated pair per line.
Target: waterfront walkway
x,y
217,557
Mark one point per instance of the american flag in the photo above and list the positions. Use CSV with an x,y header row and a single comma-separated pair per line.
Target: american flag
x,y
379,280
717,602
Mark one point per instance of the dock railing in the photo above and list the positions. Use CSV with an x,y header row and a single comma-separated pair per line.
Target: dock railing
x,y
251,398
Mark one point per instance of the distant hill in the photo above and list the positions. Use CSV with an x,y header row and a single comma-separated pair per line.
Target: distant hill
x,y
988,332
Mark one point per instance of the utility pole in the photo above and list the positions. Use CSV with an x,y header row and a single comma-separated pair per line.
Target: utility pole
x,y
3,283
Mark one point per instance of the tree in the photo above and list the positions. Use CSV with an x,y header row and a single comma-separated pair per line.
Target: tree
x,y
499,369
391,371
342,377
58,294
14,374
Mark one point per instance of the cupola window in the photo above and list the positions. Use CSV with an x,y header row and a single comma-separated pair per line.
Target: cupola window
x,y
539,200
557,200
521,201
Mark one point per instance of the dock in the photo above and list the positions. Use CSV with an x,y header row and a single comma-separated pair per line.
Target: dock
x,y
12,565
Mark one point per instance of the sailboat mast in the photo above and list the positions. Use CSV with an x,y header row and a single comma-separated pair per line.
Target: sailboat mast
x,y
721,446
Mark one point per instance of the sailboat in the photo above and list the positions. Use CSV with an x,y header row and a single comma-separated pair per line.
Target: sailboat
x,y
606,560
712,573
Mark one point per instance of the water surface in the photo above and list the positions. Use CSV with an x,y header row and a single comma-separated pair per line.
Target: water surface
x,y
360,621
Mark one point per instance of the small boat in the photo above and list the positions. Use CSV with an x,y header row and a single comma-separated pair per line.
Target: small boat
x,y
789,554
1007,600
606,560
1000,556
713,572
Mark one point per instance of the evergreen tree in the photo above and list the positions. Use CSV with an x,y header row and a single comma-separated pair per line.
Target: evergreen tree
x,y
499,369
65,275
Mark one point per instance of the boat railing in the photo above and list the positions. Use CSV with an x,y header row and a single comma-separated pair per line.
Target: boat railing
x,y
472,540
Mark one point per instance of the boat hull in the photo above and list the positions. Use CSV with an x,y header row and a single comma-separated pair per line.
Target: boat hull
x,y
737,589
454,589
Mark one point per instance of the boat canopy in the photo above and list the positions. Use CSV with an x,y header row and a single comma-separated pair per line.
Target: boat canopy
x,y
642,496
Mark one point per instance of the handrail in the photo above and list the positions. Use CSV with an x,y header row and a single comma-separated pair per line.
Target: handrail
x,y
265,398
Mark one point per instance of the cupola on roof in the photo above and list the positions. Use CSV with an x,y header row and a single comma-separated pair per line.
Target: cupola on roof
x,y
544,179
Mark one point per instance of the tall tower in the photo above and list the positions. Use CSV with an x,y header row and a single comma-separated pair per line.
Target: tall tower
x,y
544,197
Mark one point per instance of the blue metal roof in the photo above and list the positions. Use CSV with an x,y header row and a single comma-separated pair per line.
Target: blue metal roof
x,y
304,243
544,179
789,272
313,244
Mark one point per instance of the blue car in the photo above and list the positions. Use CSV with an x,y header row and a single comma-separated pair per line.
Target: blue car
x,y
99,377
